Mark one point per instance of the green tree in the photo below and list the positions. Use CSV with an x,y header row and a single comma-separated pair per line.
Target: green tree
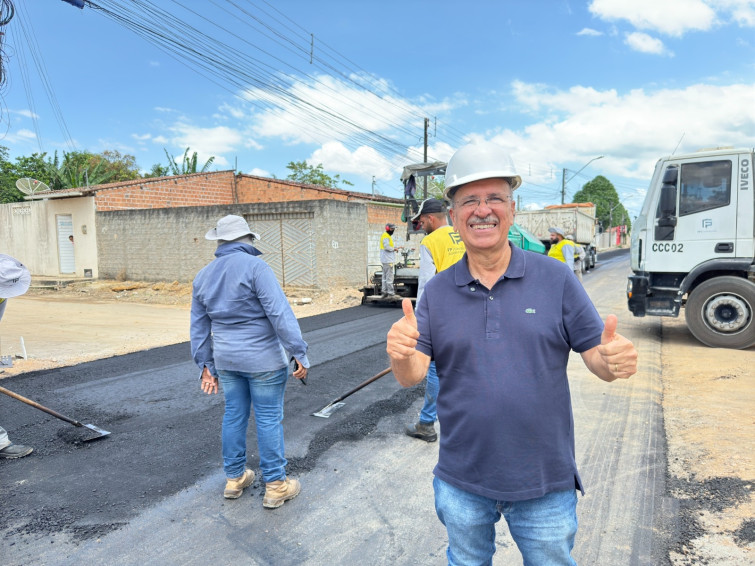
x,y
609,210
157,171
301,172
188,163
79,169
34,167
123,167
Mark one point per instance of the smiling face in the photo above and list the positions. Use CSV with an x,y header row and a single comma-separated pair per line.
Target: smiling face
x,y
485,226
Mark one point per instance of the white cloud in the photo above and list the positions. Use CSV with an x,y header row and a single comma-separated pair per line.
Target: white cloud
x,y
670,17
364,162
742,12
299,122
643,43
590,32
28,114
141,137
259,172
632,130
207,142
26,135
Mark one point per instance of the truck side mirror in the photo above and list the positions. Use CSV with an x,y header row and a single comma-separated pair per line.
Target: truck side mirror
x,y
670,176
668,200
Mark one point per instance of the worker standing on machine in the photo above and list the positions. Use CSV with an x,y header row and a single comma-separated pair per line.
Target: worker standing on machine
x,y
387,259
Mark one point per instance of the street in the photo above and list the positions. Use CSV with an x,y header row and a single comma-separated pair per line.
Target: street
x,y
151,492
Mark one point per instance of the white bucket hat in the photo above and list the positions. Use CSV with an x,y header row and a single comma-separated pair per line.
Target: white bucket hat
x,y
230,228
14,277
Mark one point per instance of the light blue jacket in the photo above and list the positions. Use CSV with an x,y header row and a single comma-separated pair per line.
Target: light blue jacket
x,y
240,317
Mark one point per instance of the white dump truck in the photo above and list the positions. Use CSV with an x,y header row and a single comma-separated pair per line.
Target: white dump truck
x,y
575,218
693,246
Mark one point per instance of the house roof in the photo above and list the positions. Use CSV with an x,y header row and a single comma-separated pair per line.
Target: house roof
x,y
93,189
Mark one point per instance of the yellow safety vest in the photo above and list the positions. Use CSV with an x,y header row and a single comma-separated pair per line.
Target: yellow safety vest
x,y
555,251
390,240
445,246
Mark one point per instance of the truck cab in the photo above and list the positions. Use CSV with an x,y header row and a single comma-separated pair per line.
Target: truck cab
x,y
693,246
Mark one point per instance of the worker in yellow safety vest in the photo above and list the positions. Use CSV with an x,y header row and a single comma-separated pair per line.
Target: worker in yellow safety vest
x,y
561,248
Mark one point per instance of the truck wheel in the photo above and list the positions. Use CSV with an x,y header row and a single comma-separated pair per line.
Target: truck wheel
x,y
721,313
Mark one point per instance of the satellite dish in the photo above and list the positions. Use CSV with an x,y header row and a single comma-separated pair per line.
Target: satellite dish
x,y
31,186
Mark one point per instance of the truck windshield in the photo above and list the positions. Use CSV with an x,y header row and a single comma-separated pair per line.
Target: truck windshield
x,y
704,186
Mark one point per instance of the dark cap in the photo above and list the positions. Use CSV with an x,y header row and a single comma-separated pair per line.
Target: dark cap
x,y
430,206
390,226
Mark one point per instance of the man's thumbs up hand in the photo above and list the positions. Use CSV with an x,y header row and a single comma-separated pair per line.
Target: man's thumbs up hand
x,y
616,351
402,337
609,329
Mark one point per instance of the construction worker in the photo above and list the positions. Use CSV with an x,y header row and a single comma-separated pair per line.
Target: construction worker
x,y
579,256
561,248
440,249
387,259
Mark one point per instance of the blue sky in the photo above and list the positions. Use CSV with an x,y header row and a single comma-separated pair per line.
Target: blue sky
x,y
557,83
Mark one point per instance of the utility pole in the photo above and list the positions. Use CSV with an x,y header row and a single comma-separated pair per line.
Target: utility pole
x,y
563,185
424,192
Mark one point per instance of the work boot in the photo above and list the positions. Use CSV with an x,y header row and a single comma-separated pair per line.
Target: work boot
x,y
277,492
234,487
424,431
15,451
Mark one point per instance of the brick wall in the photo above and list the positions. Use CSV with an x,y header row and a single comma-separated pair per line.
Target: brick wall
x,y
168,192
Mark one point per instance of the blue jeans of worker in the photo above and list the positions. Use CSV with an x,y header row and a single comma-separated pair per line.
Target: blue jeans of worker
x,y
543,528
264,391
428,413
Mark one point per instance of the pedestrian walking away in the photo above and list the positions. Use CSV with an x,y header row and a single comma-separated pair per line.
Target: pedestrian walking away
x,y
387,259
500,324
243,335
439,250
14,281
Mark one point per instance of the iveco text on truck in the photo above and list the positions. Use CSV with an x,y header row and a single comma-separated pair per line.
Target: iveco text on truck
x,y
693,246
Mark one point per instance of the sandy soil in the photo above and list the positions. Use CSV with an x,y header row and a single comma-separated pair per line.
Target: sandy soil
x,y
708,401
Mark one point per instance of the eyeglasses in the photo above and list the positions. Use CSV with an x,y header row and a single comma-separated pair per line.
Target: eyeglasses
x,y
493,201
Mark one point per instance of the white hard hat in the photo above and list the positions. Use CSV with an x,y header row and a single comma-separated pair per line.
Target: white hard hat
x,y
476,161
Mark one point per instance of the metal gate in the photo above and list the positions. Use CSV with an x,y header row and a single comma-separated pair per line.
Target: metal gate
x,y
287,243
66,260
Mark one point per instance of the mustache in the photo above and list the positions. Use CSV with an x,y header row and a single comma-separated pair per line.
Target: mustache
x,y
489,219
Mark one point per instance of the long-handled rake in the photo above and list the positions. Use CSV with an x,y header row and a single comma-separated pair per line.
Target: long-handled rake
x,y
335,404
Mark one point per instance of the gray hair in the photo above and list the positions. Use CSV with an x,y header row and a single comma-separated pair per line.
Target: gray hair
x,y
245,239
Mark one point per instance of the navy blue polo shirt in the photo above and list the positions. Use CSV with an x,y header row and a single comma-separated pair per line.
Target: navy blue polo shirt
x,y
504,404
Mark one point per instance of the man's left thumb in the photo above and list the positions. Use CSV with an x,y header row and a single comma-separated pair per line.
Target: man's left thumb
x,y
609,330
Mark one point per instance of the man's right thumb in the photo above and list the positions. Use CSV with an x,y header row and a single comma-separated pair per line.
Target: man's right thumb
x,y
406,305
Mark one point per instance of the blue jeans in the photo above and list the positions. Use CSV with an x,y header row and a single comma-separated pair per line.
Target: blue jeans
x,y
265,391
543,528
428,413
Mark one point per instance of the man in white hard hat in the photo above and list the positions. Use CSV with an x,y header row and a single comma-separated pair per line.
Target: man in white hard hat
x,y
439,250
497,326
241,328
14,281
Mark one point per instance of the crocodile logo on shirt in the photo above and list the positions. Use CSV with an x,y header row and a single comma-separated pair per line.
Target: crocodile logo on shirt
x,y
529,311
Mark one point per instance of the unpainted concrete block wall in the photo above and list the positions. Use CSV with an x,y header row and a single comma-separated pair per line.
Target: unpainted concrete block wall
x,y
168,244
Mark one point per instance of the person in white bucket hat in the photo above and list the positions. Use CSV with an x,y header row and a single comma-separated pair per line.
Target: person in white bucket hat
x,y
14,281
243,336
